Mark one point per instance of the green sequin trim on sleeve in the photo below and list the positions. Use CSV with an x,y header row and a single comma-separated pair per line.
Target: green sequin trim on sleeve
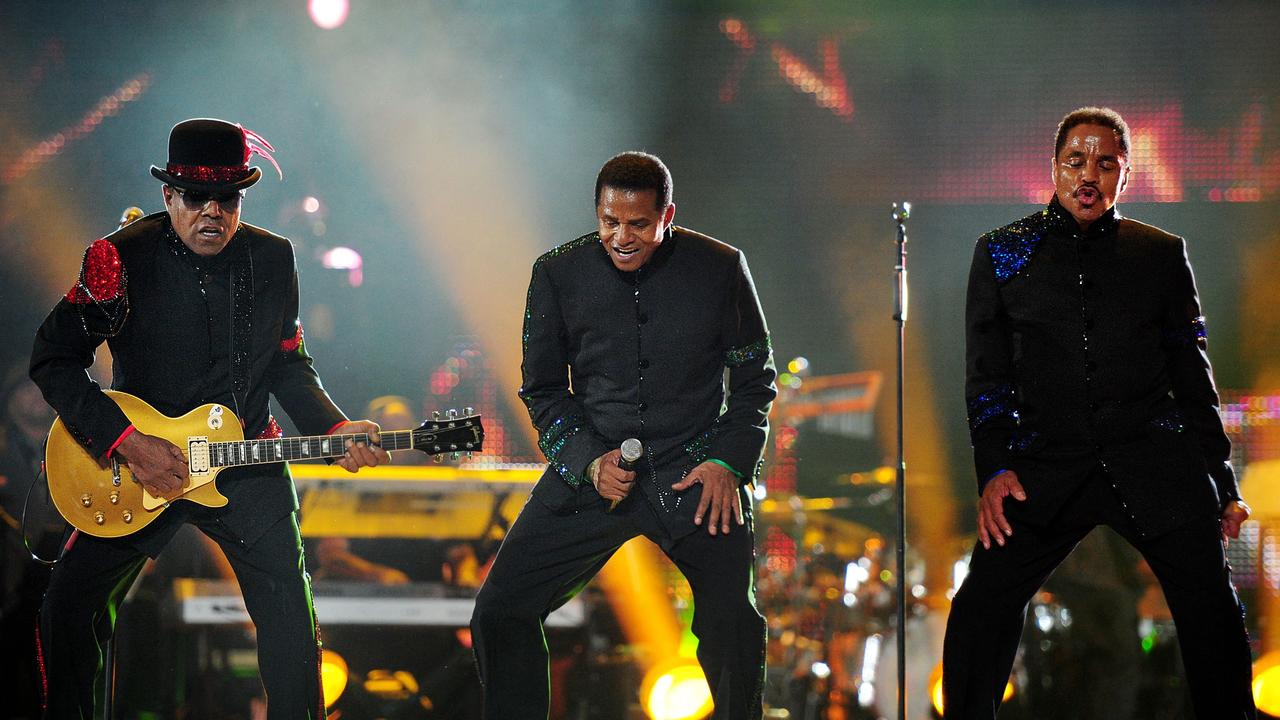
x,y
552,442
737,357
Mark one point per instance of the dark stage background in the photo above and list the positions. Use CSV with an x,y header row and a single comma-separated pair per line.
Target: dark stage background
x,y
448,143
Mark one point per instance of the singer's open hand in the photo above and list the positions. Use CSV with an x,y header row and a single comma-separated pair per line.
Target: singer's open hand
x,y
992,524
611,481
720,496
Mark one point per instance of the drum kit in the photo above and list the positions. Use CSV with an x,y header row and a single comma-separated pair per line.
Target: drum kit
x,y
826,589
825,582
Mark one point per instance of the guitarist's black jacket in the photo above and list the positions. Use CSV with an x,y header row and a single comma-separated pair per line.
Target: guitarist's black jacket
x,y
183,331
1087,349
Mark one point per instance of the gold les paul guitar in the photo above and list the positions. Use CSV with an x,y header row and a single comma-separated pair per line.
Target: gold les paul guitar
x,y
100,496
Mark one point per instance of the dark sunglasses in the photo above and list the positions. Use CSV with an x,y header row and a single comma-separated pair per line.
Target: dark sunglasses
x,y
195,200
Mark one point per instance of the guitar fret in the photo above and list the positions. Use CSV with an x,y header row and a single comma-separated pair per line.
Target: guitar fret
x,y
250,452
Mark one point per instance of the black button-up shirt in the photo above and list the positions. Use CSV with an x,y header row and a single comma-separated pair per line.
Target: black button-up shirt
x,y
1087,348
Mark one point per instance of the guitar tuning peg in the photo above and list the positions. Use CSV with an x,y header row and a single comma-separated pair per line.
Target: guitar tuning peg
x,y
435,414
454,456
438,457
451,414
468,411
470,454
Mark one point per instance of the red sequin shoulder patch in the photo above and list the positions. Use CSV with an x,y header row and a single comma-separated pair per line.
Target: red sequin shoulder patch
x,y
100,275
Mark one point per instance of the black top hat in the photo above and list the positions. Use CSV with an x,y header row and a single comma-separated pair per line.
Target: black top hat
x,y
211,155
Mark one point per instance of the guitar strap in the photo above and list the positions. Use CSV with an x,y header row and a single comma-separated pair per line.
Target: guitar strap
x,y
241,322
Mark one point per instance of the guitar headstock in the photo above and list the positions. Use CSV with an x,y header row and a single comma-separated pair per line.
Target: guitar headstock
x,y
451,432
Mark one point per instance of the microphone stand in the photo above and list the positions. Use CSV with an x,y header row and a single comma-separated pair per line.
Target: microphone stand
x,y
900,215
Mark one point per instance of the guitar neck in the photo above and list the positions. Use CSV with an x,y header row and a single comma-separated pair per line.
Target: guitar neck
x,y
290,449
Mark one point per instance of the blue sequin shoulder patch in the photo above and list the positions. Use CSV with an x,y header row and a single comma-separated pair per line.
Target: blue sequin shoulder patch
x,y
1012,246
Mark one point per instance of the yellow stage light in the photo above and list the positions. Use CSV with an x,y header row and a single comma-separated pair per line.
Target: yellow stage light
x,y
935,689
1266,683
676,690
333,676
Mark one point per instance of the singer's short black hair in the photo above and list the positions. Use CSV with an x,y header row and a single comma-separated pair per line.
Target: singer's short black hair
x,y
1103,116
636,170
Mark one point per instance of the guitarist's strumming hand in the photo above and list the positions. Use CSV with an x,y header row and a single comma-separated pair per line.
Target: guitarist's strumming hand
x,y
358,454
156,463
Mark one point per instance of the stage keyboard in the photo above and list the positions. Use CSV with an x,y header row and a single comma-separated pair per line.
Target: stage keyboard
x,y
420,478
217,602
426,501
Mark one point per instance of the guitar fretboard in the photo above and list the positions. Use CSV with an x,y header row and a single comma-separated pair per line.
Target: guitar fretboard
x,y
315,447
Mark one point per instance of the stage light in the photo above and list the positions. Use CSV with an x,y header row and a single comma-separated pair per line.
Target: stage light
x,y
935,689
310,204
798,365
108,106
344,258
854,575
333,676
959,572
328,14
676,690
391,685
1266,683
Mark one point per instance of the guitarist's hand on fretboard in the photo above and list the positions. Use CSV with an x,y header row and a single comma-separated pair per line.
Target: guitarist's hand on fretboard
x,y
156,463
359,455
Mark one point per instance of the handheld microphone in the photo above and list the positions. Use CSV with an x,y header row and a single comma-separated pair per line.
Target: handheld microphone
x,y
632,451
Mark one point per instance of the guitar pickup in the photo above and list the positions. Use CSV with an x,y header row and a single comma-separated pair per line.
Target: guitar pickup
x,y
198,455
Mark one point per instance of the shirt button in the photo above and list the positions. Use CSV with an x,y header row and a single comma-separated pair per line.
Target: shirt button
x,y
644,406
644,363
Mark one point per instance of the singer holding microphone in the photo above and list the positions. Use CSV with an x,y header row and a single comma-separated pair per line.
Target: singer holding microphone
x,y
628,334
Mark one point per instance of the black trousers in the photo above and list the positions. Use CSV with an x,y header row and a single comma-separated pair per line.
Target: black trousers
x,y
88,584
547,558
988,611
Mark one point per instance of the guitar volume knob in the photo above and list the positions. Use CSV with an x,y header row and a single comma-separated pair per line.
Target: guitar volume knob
x,y
127,515
86,499
114,497
99,518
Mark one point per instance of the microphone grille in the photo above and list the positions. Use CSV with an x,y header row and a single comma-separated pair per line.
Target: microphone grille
x,y
632,449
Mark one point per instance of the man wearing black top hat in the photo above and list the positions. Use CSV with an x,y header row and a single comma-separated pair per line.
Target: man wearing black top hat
x,y
196,307
1091,401
630,332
